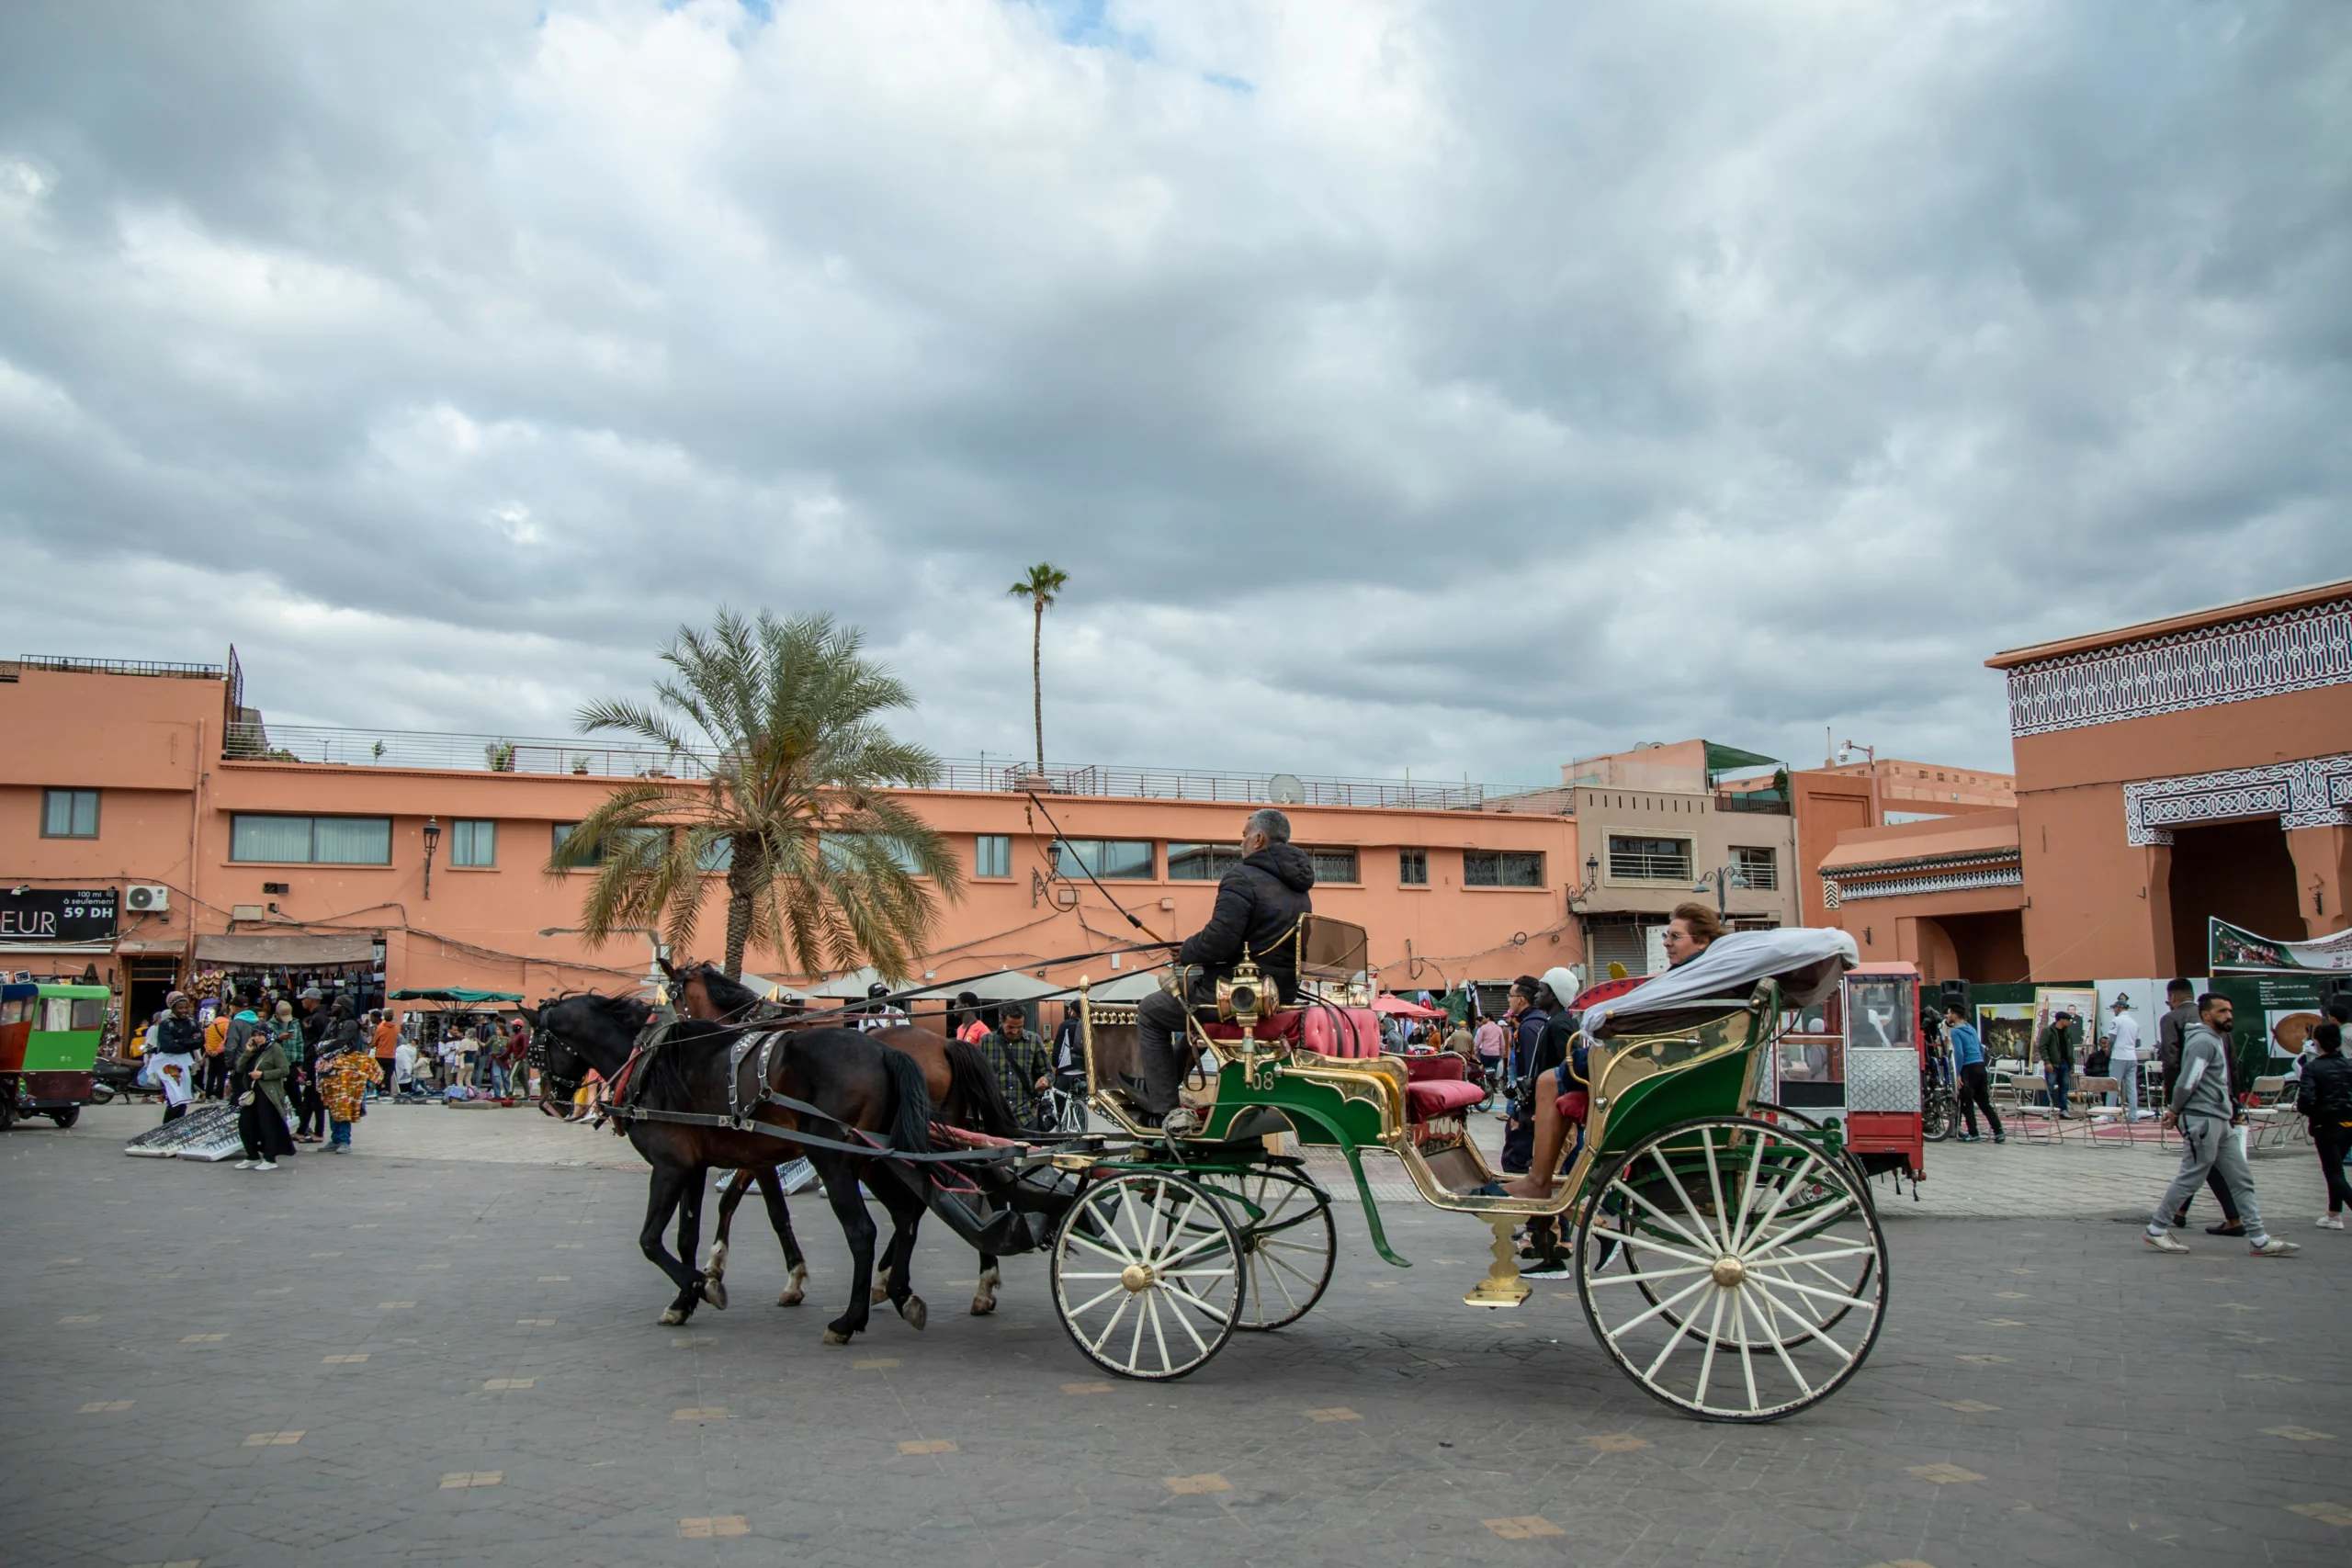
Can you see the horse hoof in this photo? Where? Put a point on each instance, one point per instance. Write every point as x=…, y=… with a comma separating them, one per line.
x=714, y=1291
x=835, y=1337
x=794, y=1291
x=791, y=1298
x=914, y=1312
x=983, y=1305
x=717, y=1258
x=671, y=1318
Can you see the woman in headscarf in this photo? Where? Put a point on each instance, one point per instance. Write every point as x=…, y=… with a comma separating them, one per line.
x=345, y=1074
x=176, y=1048
x=259, y=1078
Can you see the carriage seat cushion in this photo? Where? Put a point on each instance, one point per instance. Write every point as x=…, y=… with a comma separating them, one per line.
x=1438, y=1085
x=1429, y=1097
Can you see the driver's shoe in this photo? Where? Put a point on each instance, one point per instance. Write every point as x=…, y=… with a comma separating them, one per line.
x=1181, y=1123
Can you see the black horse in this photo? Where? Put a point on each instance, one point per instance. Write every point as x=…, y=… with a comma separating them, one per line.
x=956, y=1074
x=856, y=1083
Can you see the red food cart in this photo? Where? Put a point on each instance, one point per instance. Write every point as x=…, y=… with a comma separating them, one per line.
x=1857, y=1058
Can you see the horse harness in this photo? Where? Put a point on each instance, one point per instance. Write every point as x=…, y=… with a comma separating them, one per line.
x=742, y=1105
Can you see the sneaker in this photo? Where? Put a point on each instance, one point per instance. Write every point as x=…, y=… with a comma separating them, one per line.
x=266, y=1165
x=2330, y=1222
x=1181, y=1123
x=2000, y=1137
x=2273, y=1247
x=247, y=1163
x=2227, y=1227
x=2162, y=1242
x=1549, y=1268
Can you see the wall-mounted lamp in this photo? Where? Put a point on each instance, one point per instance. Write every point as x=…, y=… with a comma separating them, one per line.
x=431, y=842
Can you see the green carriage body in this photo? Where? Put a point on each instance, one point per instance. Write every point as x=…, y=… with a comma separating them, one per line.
x=49, y=1035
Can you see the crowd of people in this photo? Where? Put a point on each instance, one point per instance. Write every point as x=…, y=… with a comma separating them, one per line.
x=301, y=1068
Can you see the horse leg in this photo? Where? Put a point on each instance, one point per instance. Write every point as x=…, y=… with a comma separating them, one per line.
x=690, y=1230
x=664, y=1192
x=780, y=1216
x=984, y=1298
x=714, y=1284
x=858, y=1228
x=906, y=1215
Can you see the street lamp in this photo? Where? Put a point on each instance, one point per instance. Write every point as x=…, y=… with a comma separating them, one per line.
x=431, y=842
x=1723, y=876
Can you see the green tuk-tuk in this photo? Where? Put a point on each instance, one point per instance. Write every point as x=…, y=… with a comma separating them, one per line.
x=49, y=1044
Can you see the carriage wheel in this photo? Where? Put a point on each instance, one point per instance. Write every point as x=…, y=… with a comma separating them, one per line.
x=1144, y=1275
x=1740, y=1250
x=1287, y=1255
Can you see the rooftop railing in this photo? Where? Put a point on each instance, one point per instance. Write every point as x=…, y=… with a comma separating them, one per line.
x=437, y=750
x=65, y=664
x=1755, y=801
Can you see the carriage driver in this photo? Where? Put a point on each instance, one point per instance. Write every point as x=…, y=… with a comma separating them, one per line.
x=1259, y=904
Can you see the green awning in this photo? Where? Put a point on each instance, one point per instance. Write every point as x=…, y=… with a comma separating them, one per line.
x=1725, y=759
x=457, y=994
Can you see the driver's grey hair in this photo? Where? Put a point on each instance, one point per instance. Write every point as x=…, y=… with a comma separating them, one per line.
x=1271, y=822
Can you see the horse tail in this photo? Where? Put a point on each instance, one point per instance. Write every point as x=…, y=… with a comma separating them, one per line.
x=910, y=1103
x=975, y=1089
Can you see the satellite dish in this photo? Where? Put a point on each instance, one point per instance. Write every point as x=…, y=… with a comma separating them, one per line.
x=1283, y=789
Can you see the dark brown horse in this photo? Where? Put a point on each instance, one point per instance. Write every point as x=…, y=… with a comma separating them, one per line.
x=955, y=1076
x=851, y=1080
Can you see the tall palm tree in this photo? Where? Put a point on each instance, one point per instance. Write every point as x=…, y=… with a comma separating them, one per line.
x=819, y=861
x=1041, y=588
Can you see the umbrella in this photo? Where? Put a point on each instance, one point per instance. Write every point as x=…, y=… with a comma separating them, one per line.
x=853, y=984
x=1397, y=1007
x=1004, y=986
x=1127, y=987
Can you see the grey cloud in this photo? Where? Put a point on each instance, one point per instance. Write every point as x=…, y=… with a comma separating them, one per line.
x=1478, y=389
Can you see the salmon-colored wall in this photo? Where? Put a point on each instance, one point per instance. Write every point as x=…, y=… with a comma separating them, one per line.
x=1825, y=805
x=150, y=746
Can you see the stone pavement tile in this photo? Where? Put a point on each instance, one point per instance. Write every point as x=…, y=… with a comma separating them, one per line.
x=592, y=1456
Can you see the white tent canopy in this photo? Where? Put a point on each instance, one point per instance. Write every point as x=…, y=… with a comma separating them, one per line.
x=1003, y=986
x=1127, y=988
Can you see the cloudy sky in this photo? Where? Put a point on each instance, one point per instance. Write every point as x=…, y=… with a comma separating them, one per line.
x=1452, y=387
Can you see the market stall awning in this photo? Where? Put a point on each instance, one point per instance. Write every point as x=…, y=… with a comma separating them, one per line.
x=290, y=950
x=1128, y=988
x=456, y=994
x=1722, y=759
x=1004, y=986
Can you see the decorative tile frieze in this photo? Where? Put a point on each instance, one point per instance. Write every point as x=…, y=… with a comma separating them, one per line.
x=1842, y=889
x=2295, y=650
x=2313, y=792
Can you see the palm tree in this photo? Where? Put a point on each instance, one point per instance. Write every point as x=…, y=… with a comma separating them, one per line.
x=1041, y=588
x=819, y=860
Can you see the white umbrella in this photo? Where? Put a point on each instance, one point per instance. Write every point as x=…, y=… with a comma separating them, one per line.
x=1129, y=987
x=1004, y=986
x=853, y=984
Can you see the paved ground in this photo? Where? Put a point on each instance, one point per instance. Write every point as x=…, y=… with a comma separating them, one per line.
x=424, y=1358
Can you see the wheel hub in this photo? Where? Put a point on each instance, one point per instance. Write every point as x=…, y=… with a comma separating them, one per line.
x=1729, y=1271
x=1136, y=1277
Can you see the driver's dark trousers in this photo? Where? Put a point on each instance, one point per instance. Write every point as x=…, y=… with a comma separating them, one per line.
x=1159, y=1022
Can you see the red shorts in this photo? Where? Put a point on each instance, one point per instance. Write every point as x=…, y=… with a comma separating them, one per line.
x=1574, y=1105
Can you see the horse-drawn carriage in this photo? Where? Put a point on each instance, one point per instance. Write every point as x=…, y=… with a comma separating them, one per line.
x=1721, y=1246
x=1725, y=1250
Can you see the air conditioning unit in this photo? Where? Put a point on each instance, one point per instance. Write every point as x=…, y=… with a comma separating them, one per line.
x=147, y=899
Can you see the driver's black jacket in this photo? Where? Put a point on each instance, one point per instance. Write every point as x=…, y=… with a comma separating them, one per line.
x=1258, y=904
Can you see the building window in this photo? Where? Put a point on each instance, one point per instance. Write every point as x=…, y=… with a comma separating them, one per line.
x=1755, y=868
x=1111, y=859
x=1413, y=867
x=313, y=840
x=69, y=814
x=1334, y=867
x=1649, y=860
x=473, y=842
x=1502, y=868
x=993, y=854
x=718, y=855
x=1201, y=862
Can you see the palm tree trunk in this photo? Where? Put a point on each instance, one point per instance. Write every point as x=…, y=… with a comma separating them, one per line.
x=741, y=879
x=1037, y=681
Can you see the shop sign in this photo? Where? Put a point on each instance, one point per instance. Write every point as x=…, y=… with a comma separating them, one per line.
x=58, y=914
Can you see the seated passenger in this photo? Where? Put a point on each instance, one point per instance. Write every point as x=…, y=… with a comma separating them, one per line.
x=1690, y=933
x=1259, y=904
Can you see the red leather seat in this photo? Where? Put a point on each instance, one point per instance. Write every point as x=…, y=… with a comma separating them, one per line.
x=1438, y=1085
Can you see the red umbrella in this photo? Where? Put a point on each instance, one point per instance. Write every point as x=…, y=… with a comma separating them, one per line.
x=1397, y=1007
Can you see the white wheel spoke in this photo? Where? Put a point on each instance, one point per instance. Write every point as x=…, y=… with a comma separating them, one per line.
x=1739, y=1327
x=1663, y=1218
x=1772, y=1326
x=1820, y=1335
x=1747, y=1192
x=1716, y=1187
x=1681, y=1328
x=1682, y=1190
x=1683, y=1273
x=1186, y=1324
x=1782, y=1196
x=1707, y=1359
x=1094, y=1300
x=1817, y=1293
x=1656, y=1307
x=1760, y=1260
x=1110, y=1233
x=1216, y=1312
x=1808, y=1226
x=1108, y=1327
x=1135, y=1340
x=1644, y=1243
x=1151, y=1308
x=1276, y=1272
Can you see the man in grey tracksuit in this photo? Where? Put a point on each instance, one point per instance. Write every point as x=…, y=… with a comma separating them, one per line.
x=2203, y=1108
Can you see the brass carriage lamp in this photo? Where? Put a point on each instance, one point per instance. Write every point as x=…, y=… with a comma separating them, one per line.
x=431, y=842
